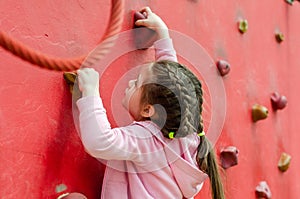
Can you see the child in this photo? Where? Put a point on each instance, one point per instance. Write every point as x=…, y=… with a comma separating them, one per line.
x=164, y=153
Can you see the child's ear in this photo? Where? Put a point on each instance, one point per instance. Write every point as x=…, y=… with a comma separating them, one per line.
x=147, y=110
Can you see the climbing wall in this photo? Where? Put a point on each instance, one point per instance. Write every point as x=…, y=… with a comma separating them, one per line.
x=40, y=152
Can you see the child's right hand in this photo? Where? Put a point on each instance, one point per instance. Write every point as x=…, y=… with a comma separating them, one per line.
x=153, y=22
x=88, y=82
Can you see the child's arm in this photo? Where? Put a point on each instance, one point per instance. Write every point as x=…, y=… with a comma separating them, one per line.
x=97, y=136
x=164, y=49
x=99, y=139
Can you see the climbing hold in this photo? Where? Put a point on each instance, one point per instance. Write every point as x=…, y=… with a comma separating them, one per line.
x=223, y=67
x=143, y=37
x=263, y=190
x=290, y=2
x=279, y=37
x=259, y=112
x=73, y=196
x=229, y=157
x=70, y=78
x=278, y=101
x=284, y=162
x=243, y=25
x=137, y=16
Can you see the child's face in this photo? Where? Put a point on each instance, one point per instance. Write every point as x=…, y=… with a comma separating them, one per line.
x=133, y=93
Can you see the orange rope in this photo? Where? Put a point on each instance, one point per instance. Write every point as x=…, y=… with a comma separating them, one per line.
x=52, y=63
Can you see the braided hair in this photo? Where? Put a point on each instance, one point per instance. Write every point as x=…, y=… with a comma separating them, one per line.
x=176, y=94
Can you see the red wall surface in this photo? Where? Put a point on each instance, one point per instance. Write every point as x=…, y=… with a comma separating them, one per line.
x=39, y=146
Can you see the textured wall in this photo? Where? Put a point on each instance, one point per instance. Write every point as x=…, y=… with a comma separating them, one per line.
x=39, y=147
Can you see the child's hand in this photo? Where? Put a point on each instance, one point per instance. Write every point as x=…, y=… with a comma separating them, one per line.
x=153, y=22
x=88, y=81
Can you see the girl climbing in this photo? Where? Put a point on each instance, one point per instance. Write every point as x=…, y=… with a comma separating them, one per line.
x=164, y=153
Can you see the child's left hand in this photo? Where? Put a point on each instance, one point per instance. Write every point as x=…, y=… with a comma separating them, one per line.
x=88, y=81
x=153, y=22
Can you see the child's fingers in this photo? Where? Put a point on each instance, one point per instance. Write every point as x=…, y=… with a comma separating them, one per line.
x=79, y=74
x=81, y=71
x=142, y=22
x=146, y=10
x=85, y=70
x=85, y=73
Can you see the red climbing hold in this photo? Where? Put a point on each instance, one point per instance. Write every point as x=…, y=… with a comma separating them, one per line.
x=263, y=190
x=143, y=37
x=223, y=67
x=278, y=101
x=229, y=157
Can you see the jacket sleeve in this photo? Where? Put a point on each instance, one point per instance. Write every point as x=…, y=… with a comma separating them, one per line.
x=97, y=136
x=164, y=50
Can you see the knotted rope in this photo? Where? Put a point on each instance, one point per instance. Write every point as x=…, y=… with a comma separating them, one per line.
x=59, y=64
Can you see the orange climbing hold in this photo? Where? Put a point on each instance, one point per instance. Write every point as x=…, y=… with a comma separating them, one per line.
x=259, y=112
x=243, y=26
x=284, y=162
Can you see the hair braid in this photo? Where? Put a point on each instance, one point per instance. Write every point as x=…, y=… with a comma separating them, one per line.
x=184, y=90
x=199, y=93
x=179, y=92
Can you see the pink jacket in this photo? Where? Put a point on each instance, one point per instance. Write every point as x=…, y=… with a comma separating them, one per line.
x=141, y=162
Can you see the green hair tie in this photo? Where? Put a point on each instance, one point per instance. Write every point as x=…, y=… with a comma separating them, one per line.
x=171, y=135
x=201, y=134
